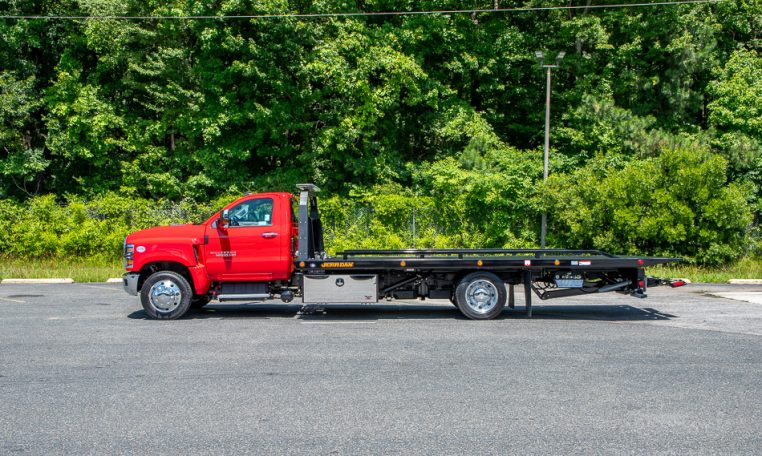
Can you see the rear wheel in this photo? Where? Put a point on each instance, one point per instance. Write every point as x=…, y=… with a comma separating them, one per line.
x=481, y=296
x=166, y=295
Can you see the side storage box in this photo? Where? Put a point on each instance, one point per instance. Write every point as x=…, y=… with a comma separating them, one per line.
x=327, y=289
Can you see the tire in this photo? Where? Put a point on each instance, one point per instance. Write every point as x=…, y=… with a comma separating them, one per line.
x=453, y=300
x=481, y=295
x=199, y=302
x=166, y=295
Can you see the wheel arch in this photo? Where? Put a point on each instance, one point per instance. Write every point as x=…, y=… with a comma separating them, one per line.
x=156, y=266
x=506, y=276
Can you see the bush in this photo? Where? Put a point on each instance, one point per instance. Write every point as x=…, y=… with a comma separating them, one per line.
x=676, y=204
x=486, y=199
x=380, y=217
x=43, y=227
x=482, y=199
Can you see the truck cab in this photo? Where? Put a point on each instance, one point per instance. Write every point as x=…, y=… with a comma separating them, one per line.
x=242, y=251
x=250, y=240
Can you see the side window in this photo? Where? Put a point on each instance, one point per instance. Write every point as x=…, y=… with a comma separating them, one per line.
x=256, y=212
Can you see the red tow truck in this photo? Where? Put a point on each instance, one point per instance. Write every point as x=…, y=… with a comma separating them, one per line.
x=270, y=245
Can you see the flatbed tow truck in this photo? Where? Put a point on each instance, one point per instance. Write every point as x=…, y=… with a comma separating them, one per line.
x=270, y=245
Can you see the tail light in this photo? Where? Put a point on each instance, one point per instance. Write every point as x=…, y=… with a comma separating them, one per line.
x=677, y=283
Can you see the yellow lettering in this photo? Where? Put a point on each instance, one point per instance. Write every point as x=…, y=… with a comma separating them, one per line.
x=338, y=265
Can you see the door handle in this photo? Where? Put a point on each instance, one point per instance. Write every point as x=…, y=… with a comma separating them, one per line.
x=269, y=235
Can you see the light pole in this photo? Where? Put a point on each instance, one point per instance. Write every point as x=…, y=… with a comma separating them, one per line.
x=541, y=60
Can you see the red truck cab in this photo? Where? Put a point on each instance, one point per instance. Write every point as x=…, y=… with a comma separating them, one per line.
x=255, y=245
x=249, y=241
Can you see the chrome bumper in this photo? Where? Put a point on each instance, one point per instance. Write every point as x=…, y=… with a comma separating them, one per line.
x=131, y=283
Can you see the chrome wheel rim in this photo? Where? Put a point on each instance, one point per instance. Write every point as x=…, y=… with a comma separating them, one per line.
x=481, y=296
x=165, y=295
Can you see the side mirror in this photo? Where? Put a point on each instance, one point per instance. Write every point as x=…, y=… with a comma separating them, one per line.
x=224, y=220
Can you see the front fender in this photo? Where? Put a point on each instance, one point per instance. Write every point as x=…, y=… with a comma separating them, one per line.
x=178, y=253
x=146, y=253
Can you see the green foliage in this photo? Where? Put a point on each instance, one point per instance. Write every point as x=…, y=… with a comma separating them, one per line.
x=481, y=199
x=23, y=161
x=88, y=269
x=380, y=218
x=737, y=94
x=170, y=108
x=29, y=52
x=43, y=227
x=675, y=204
x=486, y=200
x=600, y=126
x=736, y=117
x=434, y=115
x=746, y=268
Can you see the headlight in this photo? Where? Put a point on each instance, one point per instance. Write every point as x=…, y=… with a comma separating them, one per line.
x=129, y=254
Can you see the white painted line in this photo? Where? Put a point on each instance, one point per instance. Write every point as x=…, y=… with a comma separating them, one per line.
x=35, y=281
x=11, y=300
x=338, y=322
x=752, y=296
x=100, y=287
x=745, y=281
x=115, y=280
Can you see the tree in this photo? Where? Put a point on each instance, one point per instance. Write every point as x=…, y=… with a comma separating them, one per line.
x=29, y=51
x=676, y=204
x=737, y=95
x=22, y=159
x=736, y=115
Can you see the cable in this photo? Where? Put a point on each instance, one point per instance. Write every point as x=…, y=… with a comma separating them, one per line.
x=362, y=14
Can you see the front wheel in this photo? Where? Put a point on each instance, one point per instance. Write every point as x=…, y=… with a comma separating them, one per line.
x=481, y=296
x=166, y=295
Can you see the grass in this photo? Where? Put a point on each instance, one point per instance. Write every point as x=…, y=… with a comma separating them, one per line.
x=746, y=268
x=96, y=269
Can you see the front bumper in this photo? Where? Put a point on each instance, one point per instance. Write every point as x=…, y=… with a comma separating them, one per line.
x=131, y=283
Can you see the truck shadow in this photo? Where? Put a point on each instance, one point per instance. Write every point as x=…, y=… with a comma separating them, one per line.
x=360, y=313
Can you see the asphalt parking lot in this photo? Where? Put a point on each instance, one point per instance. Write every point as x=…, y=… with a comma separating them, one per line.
x=82, y=371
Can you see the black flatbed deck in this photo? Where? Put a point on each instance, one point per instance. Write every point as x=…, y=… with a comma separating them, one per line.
x=487, y=259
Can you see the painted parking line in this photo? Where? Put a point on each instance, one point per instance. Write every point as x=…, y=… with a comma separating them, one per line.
x=35, y=281
x=12, y=300
x=750, y=296
x=338, y=322
x=102, y=287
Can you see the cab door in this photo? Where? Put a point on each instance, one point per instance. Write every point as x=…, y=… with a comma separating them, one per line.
x=250, y=248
